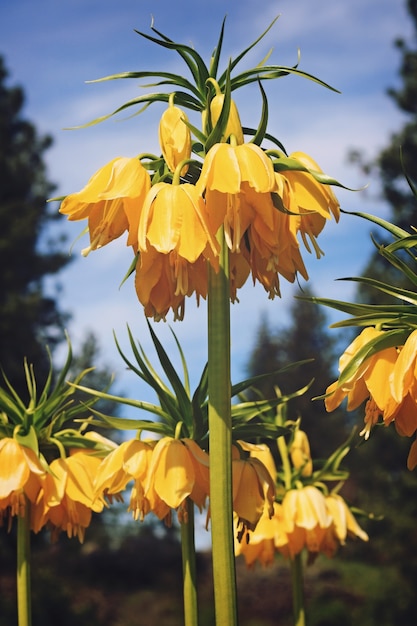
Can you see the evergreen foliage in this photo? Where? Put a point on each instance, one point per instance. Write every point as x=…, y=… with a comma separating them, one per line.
x=29, y=318
x=389, y=166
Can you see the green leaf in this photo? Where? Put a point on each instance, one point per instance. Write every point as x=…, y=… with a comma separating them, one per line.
x=145, y=100
x=121, y=423
x=263, y=123
x=237, y=388
x=215, y=58
x=396, y=292
x=137, y=404
x=169, y=79
x=256, y=431
x=237, y=60
x=192, y=59
x=394, y=230
x=184, y=400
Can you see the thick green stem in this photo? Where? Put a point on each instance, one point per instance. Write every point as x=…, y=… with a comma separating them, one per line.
x=189, y=575
x=24, y=607
x=298, y=590
x=220, y=433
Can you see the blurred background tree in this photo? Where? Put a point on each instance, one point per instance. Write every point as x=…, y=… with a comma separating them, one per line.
x=389, y=165
x=305, y=337
x=29, y=317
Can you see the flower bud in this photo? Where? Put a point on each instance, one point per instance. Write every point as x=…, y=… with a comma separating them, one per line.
x=300, y=453
x=233, y=126
x=175, y=138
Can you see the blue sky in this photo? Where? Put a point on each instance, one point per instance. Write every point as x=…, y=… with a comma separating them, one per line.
x=51, y=48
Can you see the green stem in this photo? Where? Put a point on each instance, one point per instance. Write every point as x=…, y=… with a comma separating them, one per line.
x=298, y=590
x=23, y=568
x=189, y=576
x=283, y=451
x=220, y=443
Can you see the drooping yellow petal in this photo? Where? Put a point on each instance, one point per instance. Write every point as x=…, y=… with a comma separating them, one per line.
x=17, y=462
x=111, y=200
x=403, y=373
x=255, y=167
x=171, y=471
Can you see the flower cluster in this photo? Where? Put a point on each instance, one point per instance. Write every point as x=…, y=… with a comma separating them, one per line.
x=304, y=515
x=378, y=368
x=165, y=473
x=173, y=206
x=47, y=467
x=60, y=494
x=385, y=381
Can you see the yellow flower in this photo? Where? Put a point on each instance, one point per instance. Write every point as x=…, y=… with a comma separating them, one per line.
x=368, y=379
x=174, y=218
x=253, y=490
x=129, y=460
x=175, y=137
x=313, y=201
x=237, y=181
x=178, y=469
x=20, y=476
x=111, y=200
x=67, y=498
x=311, y=195
x=226, y=167
x=262, y=543
x=261, y=452
x=164, y=280
x=306, y=519
x=344, y=522
x=385, y=380
x=403, y=379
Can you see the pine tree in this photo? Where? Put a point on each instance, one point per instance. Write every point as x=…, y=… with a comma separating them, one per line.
x=29, y=318
x=390, y=165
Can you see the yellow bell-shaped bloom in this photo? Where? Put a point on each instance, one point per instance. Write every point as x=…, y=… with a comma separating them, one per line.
x=262, y=543
x=404, y=375
x=306, y=519
x=344, y=522
x=17, y=463
x=226, y=167
x=178, y=469
x=67, y=498
x=311, y=195
x=311, y=202
x=236, y=181
x=174, y=218
x=175, y=138
x=111, y=201
x=163, y=281
x=21, y=474
x=374, y=382
x=253, y=491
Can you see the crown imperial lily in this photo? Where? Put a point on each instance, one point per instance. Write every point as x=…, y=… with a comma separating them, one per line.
x=111, y=201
